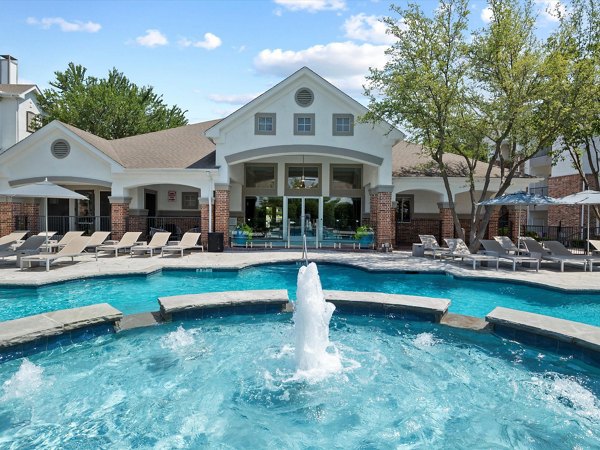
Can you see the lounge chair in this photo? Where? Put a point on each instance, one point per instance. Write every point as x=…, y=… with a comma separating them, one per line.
x=74, y=248
x=430, y=245
x=189, y=241
x=13, y=237
x=458, y=249
x=508, y=245
x=49, y=233
x=127, y=241
x=557, y=249
x=96, y=239
x=158, y=241
x=493, y=247
x=68, y=237
x=534, y=246
x=29, y=247
x=596, y=244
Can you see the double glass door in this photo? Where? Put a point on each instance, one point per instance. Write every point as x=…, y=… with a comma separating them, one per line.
x=303, y=218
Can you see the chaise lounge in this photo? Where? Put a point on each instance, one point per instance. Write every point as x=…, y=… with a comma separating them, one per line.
x=189, y=241
x=534, y=246
x=29, y=247
x=68, y=237
x=13, y=237
x=158, y=241
x=127, y=241
x=430, y=244
x=458, y=249
x=494, y=248
x=74, y=248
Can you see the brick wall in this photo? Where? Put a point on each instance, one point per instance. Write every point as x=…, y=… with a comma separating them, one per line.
x=567, y=216
x=221, y=224
x=8, y=213
x=513, y=218
x=135, y=223
x=447, y=223
x=119, y=213
x=204, y=224
x=32, y=211
x=493, y=223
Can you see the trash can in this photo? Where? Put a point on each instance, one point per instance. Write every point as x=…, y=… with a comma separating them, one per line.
x=215, y=242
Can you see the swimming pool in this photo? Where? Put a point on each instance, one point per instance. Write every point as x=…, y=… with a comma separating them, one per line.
x=229, y=383
x=133, y=294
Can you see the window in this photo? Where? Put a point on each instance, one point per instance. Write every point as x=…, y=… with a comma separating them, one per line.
x=189, y=200
x=343, y=125
x=346, y=177
x=264, y=123
x=32, y=122
x=303, y=180
x=260, y=176
x=304, y=124
x=404, y=211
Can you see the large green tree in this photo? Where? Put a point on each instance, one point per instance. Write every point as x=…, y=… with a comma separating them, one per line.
x=111, y=107
x=491, y=98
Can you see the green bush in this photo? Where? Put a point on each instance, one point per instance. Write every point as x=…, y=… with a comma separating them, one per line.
x=363, y=231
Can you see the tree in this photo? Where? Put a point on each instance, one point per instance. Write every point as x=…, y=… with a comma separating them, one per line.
x=111, y=107
x=473, y=99
x=577, y=42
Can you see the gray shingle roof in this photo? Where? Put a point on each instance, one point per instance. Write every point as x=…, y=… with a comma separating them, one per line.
x=409, y=160
x=16, y=89
x=176, y=148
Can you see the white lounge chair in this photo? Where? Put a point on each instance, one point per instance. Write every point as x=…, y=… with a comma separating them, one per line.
x=68, y=237
x=158, y=241
x=458, y=249
x=430, y=245
x=189, y=241
x=29, y=247
x=127, y=241
x=493, y=247
x=96, y=239
x=74, y=248
x=508, y=245
x=13, y=237
x=535, y=247
x=44, y=233
x=557, y=249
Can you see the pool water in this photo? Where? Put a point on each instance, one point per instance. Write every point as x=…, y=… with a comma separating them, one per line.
x=229, y=383
x=134, y=294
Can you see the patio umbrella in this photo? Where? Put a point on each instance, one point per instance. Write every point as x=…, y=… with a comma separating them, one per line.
x=520, y=199
x=43, y=189
x=583, y=198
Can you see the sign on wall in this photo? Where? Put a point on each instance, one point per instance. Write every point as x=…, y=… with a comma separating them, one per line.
x=172, y=196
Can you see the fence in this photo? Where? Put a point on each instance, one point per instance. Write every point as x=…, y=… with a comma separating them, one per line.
x=177, y=226
x=572, y=237
x=63, y=224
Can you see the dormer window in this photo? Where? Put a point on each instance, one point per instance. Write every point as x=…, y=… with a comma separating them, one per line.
x=264, y=123
x=304, y=124
x=343, y=125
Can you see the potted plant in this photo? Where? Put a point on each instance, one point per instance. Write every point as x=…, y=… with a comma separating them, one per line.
x=364, y=235
x=242, y=234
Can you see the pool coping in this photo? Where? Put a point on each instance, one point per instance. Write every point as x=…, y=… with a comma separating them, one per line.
x=420, y=266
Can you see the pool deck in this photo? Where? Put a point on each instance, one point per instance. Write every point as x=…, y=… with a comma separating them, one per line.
x=573, y=279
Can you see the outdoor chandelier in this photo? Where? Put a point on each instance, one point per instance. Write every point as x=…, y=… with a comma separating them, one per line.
x=302, y=180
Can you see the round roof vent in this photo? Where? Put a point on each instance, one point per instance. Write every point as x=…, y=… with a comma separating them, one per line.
x=60, y=149
x=304, y=97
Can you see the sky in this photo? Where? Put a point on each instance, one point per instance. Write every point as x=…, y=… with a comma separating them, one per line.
x=209, y=57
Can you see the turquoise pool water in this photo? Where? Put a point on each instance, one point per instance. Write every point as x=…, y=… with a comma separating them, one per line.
x=229, y=383
x=139, y=293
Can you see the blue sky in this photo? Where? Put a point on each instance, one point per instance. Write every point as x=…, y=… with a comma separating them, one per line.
x=208, y=57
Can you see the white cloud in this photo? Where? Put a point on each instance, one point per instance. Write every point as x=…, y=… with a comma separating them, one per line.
x=64, y=25
x=210, y=42
x=487, y=14
x=312, y=6
x=367, y=28
x=232, y=99
x=551, y=10
x=344, y=64
x=152, y=38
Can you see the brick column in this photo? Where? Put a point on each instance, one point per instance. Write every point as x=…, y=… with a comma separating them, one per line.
x=204, y=222
x=119, y=212
x=447, y=221
x=382, y=215
x=493, y=223
x=513, y=217
x=32, y=211
x=394, y=220
x=221, y=224
x=8, y=211
x=567, y=215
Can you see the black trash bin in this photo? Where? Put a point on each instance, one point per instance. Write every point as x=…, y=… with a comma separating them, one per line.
x=215, y=242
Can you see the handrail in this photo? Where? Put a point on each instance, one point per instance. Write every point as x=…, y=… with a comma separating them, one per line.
x=304, y=250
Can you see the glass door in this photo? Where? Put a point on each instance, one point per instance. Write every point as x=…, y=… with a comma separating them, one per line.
x=303, y=218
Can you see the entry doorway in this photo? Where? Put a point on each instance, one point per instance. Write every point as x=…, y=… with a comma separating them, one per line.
x=303, y=217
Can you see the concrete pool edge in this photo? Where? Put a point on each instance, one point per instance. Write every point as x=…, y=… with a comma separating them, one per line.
x=399, y=262
x=32, y=334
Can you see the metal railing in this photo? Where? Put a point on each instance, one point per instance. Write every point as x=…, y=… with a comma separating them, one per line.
x=63, y=224
x=573, y=238
x=177, y=226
